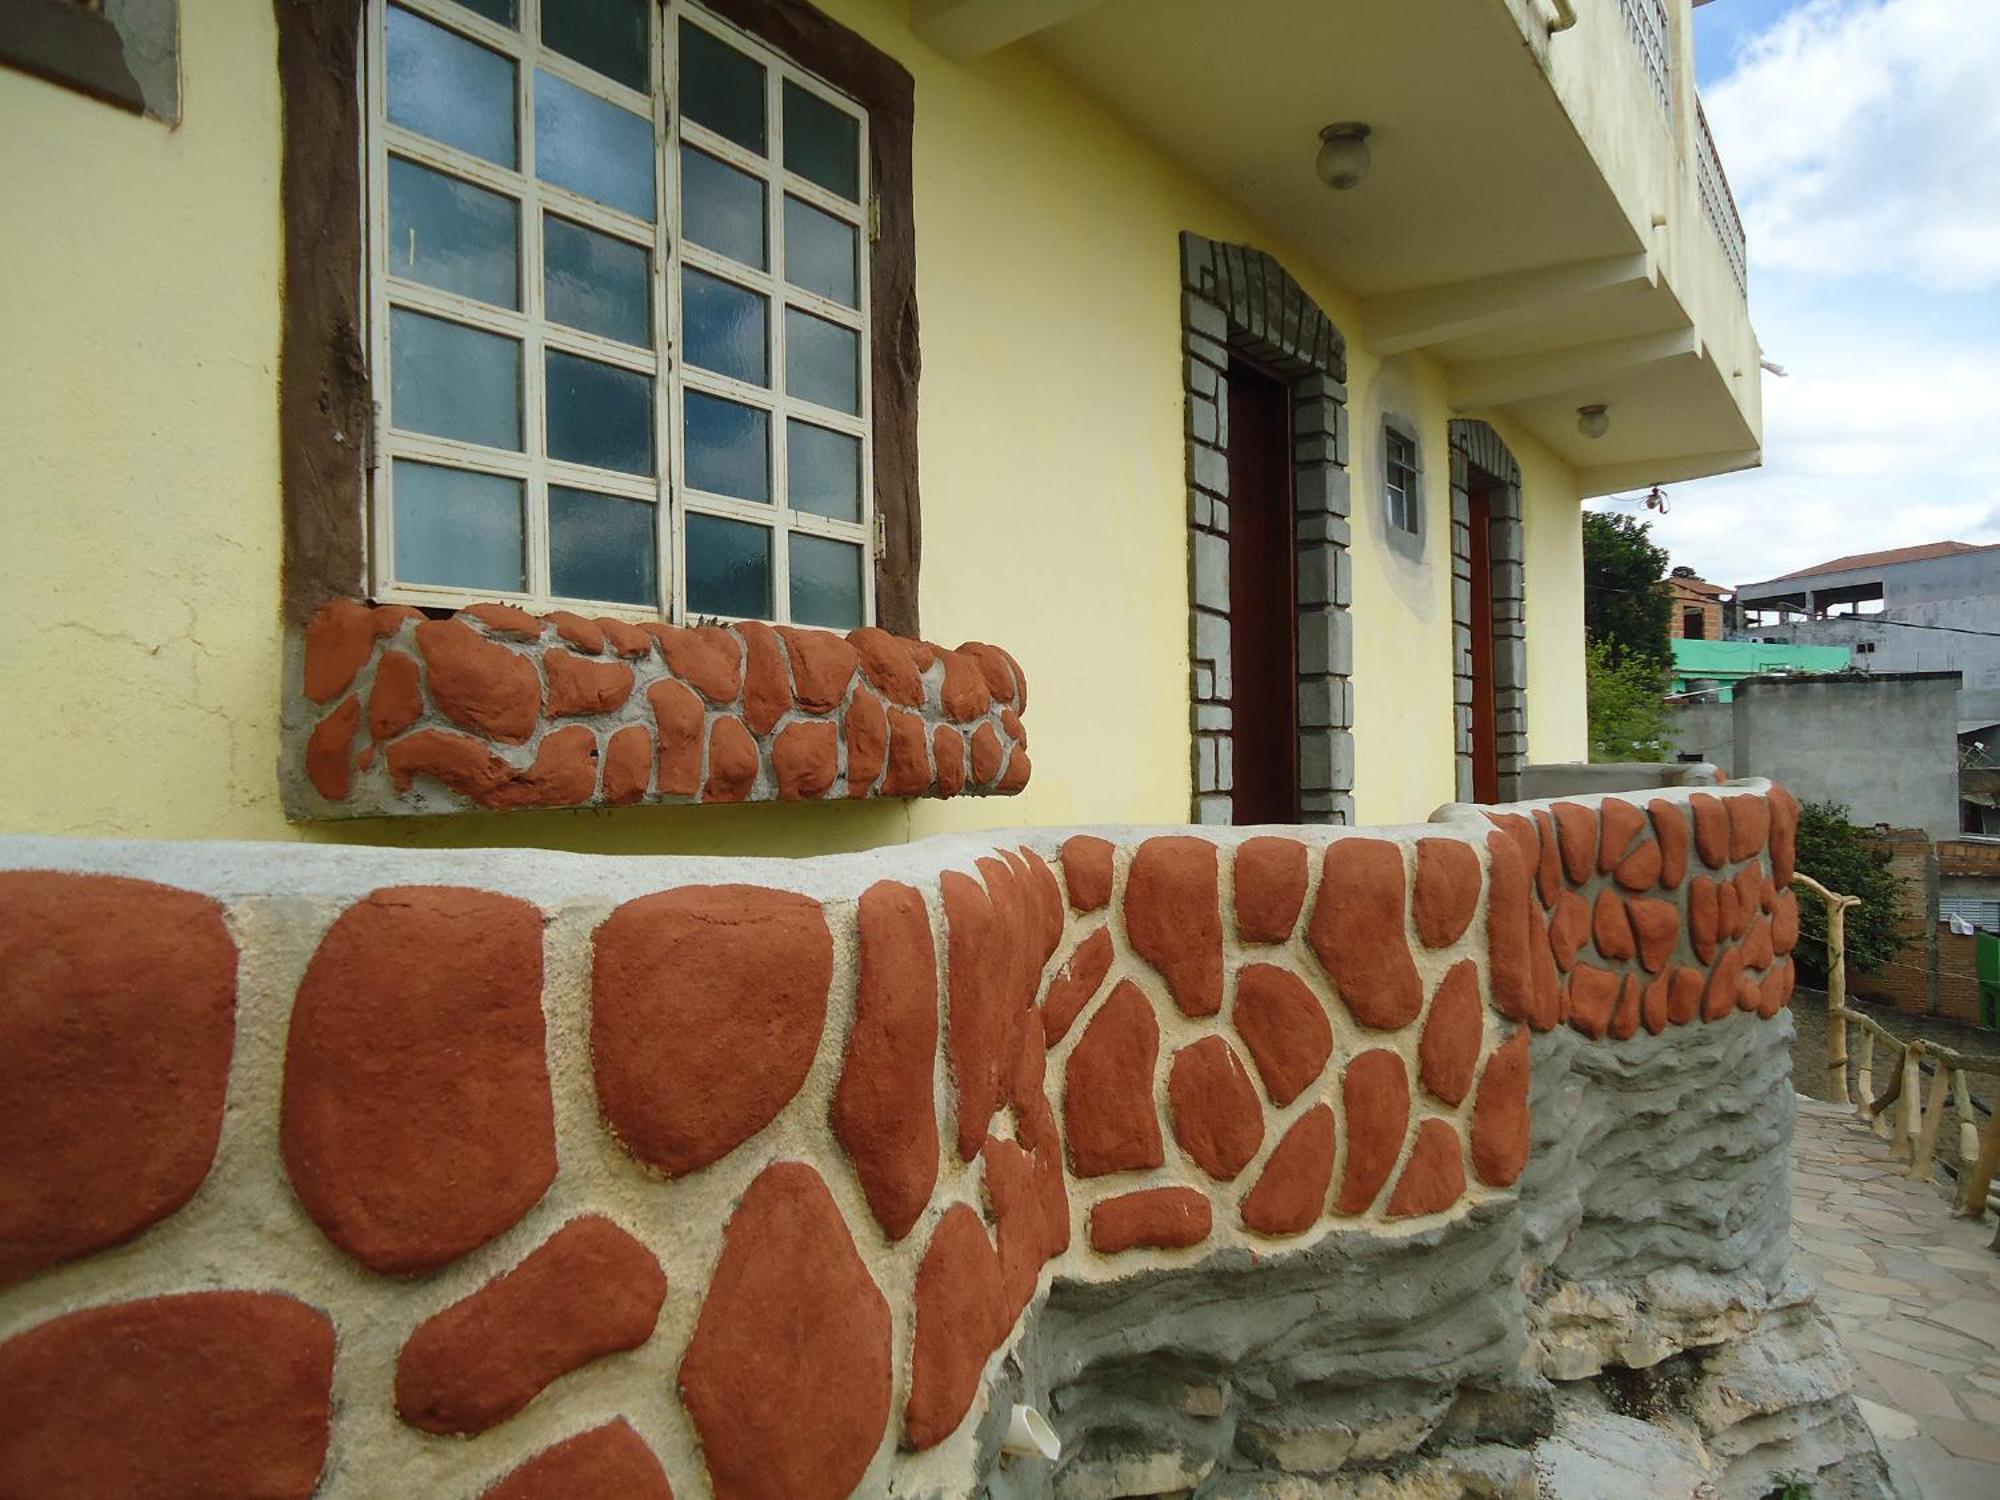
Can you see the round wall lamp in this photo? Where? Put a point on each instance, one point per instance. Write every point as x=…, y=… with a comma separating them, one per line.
x=1593, y=421
x=1343, y=154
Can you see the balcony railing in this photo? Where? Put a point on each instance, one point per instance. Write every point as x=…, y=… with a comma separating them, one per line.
x=1717, y=199
x=1647, y=21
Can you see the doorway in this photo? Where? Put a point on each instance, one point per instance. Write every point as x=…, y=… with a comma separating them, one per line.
x=1263, y=637
x=1485, y=724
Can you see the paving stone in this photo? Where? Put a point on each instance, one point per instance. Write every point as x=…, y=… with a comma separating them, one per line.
x=1887, y=1423
x=1966, y=1439
x=1918, y=1392
x=1858, y=1281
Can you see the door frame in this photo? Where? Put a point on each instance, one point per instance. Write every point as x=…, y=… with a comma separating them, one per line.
x=1477, y=453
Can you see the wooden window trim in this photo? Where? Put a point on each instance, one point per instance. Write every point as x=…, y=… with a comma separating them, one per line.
x=326, y=398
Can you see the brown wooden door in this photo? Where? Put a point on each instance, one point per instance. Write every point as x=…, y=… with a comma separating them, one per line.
x=1485, y=731
x=1263, y=635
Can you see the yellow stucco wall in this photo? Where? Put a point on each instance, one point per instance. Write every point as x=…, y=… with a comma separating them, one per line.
x=139, y=476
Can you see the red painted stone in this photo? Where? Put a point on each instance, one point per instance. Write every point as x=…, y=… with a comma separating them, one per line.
x=678, y=714
x=805, y=758
x=1217, y=1118
x=1684, y=994
x=1108, y=1110
x=628, y=765
x=1758, y=949
x=1785, y=922
x=505, y=619
x=1500, y=1115
x=948, y=748
x=339, y=640
x=460, y=764
x=1657, y=926
x=1045, y=903
x=1357, y=930
x=909, y=756
x=1711, y=829
x=1511, y=930
x=1704, y=918
x=564, y=773
x=117, y=1019
x=788, y=1376
x=478, y=683
x=1521, y=830
x=1448, y=1056
x=417, y=1122
x=1012, y=727
x=1548, y=1011
x=1290, y=1194
x=396, y=701
x=1619, y=824
x=732, y=762
x=1749, y=883
x=330, y=751
x=1166, y=1218
x=1576, y=835
x=1775, y=991
x=1434, y=1177
x=886, y=662
x=987, y=754
x=1447, y=892
x=1285, y=1027
x=1019, y=769
x=823, y=664
x=767, y=686
x=1086, y=863
x=1728, y=909
x=611, y=1462
x=1653, y=1008
x=1640, y=870
x=1075, y=984
x=1749, y=825
x=1270, y=878
x=1375, y=1092
x=1670, y=829
x=201, y=1394
x=1625, y=1016
x=1719, y=999
x=997, y=668
x=961, y=1318
x=1767, y=897
x=708, y=658
x=587, y=1291
x=1610, y=929
x=984, y=941
x=580, y=687
x=963, y=694
x=1569, y=927
x=1173, y=918
x=1784, y=834
x=1014, y=1206
x=882, y=1107
x=867, y=730
x=624, y=637
x=1593, y=998
x=1548, y=870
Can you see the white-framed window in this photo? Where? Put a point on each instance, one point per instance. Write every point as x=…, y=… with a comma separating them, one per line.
x=1399, y=480
x=618, y=271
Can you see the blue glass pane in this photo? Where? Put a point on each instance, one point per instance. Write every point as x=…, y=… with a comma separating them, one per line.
x=608, y=35
x=592, y=147
x=453, y=382
x=501, y=11
x=822, y=471
x=822, y=362
x=599, y=414
x=601, y=547
x=822, y=144
x=457, y=528
x=728, y=568
x=453, y=236
x=826, y=582
x=722, y=208
x=450, y=89
x=724, y=328
x=726, y=447
x=597, y=283
x=819, y=253
x=722, y=89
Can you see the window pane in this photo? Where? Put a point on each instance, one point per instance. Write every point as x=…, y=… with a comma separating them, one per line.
x=599, y=415
x=721, y=88
x=601, y=547
x=724, y=328
x=453, y=382
x=494, y=10
x=449, y=89
x=728, y=568
x=591, y=146
x=822, y=471
x=819, y=253
x=458, y=528
x=826, y=582
x=594, y=282
x=726, y=447
x=608, y=35
x=722, y=208
x=822, y=144
x=452, y=235
x=822, y=362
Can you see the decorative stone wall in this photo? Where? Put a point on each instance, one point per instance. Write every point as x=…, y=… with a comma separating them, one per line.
x=390, y=712
x=348, y=1171
x=1475, y=445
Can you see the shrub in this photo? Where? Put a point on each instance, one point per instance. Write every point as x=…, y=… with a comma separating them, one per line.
x=1852, y=861
x=1626, y=703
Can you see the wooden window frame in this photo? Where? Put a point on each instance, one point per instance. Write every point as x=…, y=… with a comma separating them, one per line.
x=328, y=397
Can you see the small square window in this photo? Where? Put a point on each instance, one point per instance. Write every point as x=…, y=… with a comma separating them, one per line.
x=1399, y=480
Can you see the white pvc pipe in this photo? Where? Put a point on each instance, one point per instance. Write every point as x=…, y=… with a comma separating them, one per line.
x=1029, y=1434
x=1565, y=16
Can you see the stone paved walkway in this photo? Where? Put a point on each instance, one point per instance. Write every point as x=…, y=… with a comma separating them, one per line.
x=1915, y=1295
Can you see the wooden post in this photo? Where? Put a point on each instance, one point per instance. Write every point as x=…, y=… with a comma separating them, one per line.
x=1836, y=987
x=1968, y=1131
x=1910, y=1103
x=1974, y=1185
x=1864, y=1080
x=1920, y=1165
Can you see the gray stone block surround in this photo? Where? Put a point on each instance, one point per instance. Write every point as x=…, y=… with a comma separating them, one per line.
x=1476, y=446
x=1235, y=298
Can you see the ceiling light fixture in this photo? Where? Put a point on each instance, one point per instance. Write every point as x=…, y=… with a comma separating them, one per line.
x=1593, y=421
x=1343, y=154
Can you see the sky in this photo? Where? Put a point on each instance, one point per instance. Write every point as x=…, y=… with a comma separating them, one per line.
x=1862, y=138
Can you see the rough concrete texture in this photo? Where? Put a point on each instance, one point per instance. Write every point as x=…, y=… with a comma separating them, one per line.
x=821, y=1337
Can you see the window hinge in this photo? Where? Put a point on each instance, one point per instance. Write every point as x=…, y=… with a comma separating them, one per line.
x=881, y=536
x=874, y=217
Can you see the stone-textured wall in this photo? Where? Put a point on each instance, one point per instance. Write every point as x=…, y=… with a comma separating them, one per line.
x=512, y=1174
x=388, y=712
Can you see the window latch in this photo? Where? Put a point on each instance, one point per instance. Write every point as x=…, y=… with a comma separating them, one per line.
x=881, y=537
x=874, y=217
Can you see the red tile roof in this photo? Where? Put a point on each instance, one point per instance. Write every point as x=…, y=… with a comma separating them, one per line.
x=1857, y=561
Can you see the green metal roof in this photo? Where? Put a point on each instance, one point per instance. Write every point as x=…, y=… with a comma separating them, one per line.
x=1729, y=662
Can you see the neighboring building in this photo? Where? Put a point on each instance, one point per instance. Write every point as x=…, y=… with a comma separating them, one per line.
x=1711, y=668
x=1951, y=906
x=1700, y=610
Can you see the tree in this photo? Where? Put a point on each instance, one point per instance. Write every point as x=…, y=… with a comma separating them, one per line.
x=1624, y=605
x=1627, y=707
x=1853, y=862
